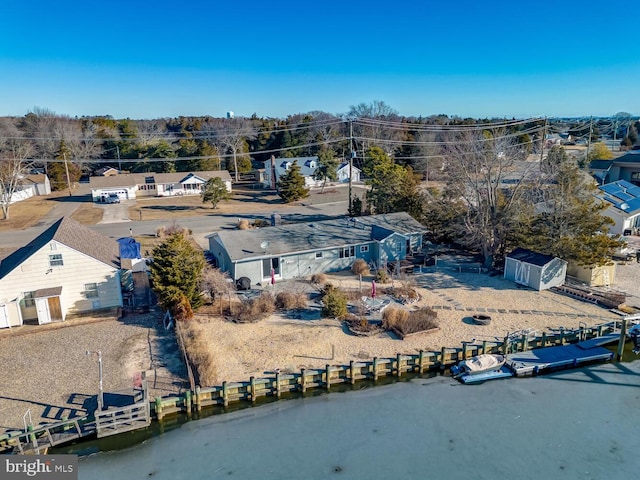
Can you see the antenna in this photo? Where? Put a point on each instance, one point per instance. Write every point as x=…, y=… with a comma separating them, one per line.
x=264, y=245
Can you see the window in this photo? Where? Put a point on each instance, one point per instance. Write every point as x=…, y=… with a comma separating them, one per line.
x=91, y=290
x=55, y=260
x=29, y=301
x=318, y=254
x=364, y=248
x=347, y=252
x=635, y=176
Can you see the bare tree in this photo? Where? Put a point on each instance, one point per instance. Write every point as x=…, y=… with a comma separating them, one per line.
x=485, y=172
x=215, y=282
x=14, y=162
x=40, y=125
x=233, y=135
x=377, y=124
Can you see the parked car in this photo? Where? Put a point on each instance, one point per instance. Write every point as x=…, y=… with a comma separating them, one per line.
x=113, y=198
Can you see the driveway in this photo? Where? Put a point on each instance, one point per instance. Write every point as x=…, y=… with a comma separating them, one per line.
x=116, y=212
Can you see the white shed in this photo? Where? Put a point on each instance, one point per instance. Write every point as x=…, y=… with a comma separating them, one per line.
x=534, y=270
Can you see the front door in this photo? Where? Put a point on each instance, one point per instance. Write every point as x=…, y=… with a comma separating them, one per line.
x=42, y=306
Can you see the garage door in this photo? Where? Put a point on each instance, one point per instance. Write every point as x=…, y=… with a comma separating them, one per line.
x=4, y=317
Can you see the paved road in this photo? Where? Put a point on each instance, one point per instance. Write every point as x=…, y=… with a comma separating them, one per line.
x=199, y=225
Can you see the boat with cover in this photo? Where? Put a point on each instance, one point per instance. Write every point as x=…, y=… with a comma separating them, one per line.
x=487, y=362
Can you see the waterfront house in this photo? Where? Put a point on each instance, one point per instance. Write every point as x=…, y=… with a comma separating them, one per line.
x=301, y=249
x=623, y=206
x=67, y=269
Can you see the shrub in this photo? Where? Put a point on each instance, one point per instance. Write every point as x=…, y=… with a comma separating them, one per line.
x=290, y=301
x=243, y=224
x=160, y=232
x=255, y=309
x=334, y=302
x=260, y=222
x=360, y=267
x=382, y=276
x=407, y=322
x=319, y=278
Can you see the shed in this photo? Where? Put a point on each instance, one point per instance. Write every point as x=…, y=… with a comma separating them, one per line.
x=534, y=270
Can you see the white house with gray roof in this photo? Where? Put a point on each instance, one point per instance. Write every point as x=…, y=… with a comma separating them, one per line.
x=274, y=168
x=131, y=185
x=67, y=269
x=301, y=249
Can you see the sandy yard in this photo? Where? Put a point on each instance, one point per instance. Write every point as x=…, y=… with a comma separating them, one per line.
x=288, y=344
x=46, y=371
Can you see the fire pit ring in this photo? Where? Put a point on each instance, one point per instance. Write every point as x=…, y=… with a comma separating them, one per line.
x=481, y=319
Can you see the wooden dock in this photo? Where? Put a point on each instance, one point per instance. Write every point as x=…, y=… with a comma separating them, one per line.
x=541, y=360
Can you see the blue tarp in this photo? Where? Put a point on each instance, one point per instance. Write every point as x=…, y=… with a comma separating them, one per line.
x=129, y=248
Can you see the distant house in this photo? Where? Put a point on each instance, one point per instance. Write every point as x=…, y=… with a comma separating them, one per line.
x=31, y=186
x=534, y=270
x=274, y=168
x=106, y=172
x=343, y=173
x=132, y=185
x=67, y=269
x=302, y=249
x=623, y=206
x=626, y=167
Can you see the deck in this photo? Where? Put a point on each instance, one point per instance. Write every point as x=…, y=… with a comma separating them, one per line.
x=541, y=360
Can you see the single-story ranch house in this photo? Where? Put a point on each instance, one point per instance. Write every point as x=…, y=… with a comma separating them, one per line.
x=67, y=269
x=131, y=185
x=301, y=249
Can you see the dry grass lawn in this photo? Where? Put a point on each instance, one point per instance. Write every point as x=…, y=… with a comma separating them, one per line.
x=88, y=214
x=26, y=213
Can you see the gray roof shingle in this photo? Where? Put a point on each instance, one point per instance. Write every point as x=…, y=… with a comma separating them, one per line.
x=301, y=237
x=72, y=234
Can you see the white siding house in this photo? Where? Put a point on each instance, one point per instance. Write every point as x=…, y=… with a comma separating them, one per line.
x=131, y=185
x=68, y=269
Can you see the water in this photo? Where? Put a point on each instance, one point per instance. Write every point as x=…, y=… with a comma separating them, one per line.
x=576, y=424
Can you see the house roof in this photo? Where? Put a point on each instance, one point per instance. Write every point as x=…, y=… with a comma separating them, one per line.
x=305, y=164
x=73, y=235
x=529, y=256
x=36, y=178
x=623, y=195
x=600, y=164
x=133, y=179
x=346, y=164
x=300, y=237
x=632, y=156
x=103, y=170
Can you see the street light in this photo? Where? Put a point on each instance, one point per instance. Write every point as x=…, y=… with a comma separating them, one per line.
x=101, y=392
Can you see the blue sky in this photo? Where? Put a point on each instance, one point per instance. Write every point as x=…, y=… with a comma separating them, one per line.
x=162, y=59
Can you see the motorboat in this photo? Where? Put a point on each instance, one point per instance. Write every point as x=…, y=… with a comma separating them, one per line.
x=487, y=362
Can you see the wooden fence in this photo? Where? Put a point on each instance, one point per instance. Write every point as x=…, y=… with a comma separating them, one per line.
x=324, y=378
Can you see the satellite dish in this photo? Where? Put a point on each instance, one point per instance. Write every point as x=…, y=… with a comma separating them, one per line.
x=264, y=245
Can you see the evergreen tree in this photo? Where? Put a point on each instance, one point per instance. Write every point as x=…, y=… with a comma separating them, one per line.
x=214, y=191
x=176, y=273
x=570, y=224
x=291, y=185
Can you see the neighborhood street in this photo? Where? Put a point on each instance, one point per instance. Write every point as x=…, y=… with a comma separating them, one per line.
x=199, y=225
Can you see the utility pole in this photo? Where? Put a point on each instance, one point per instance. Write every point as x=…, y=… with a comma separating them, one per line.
x=66, y=168
x=352, y=154
x=544, y=136
x=589, y=142
x=119, y=162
